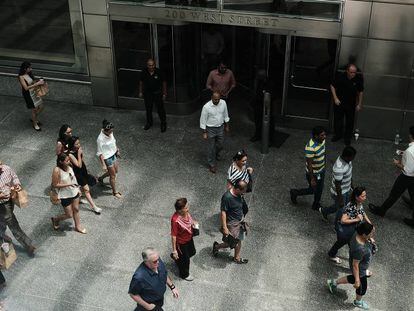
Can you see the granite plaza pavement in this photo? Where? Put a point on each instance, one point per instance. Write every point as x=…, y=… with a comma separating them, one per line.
x=287, y=246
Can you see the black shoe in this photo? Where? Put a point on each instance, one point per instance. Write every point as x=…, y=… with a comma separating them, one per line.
x=336, y=138
x=147, y=126
x=324, y=216
x=294, y=196
x=254, y=138
x=316, y=207
x=163, y=128
x=375, y=210
x=409, y=222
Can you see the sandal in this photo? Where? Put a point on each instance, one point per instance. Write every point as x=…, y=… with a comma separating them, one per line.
x=54, y=223
x=240, y=260
x=117, y=194
x=83, y=231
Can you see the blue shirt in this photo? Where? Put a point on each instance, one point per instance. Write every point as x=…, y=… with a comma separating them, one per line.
x=148, y=284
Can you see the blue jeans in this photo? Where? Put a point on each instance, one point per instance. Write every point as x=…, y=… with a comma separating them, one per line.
x=335, y=207
x=317, y=191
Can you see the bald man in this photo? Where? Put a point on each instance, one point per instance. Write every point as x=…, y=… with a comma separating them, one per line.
x=153, y=87
x=214, y=121
x=347, y=91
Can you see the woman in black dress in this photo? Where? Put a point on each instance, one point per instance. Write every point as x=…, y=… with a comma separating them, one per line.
x=81, y=172
x=65, y=134
x=28, y=84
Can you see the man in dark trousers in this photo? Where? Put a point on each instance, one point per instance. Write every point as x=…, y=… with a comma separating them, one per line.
x=405, y=181
x=154, y=89
x=347, y=91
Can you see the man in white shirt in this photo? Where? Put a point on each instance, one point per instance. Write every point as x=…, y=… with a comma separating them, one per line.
x=403, y=182
x=214, y=121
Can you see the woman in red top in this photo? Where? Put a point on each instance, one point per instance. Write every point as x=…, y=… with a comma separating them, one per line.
x=182, y=238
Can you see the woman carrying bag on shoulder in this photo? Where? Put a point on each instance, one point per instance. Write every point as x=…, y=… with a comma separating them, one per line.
x=64, y=180
x=28, y=85
x=183, y=228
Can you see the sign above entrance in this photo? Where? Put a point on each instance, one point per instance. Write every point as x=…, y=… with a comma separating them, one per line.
x=298, y=25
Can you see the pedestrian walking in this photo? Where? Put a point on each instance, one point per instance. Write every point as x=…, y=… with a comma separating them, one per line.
x=221, y=80
x=65, y=133
x=10, y=182
x=81, y=172
x=183, y=228
x=347, y=218
x=28, y=85
x=153, y=87
x=341, y=181
x=108, y=154
x=315, y=168
x=214, y=120
x=233, y=210
x=360, y=254
x=403, y=182
x=148, y=284
x=64, y=180
x=239, y=170
x=347, y=91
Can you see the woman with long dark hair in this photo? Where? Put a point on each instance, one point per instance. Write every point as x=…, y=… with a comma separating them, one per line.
x=65, y=133
x=239, y=170
x=347, y=219
x=79, y=167
x=64, y=180
x=108, y=154
x=28, y=85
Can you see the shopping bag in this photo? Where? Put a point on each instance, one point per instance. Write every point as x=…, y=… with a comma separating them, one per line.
x=54, y=197
x=9, y=257
x=20, y=198
x=42, y=90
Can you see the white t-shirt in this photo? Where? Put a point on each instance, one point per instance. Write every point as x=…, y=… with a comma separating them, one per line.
x=106, y=145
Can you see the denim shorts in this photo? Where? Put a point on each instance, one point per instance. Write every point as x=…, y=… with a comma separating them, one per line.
x=110, y=161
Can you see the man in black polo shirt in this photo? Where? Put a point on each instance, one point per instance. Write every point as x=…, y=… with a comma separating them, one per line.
x=347, y=91
x=154, y=89
x=149, y=282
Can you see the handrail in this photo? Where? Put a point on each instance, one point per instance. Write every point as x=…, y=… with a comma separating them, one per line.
x=7, y=74
x=308, y=87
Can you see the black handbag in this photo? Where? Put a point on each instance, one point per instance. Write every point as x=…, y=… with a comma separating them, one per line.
x=230, y=240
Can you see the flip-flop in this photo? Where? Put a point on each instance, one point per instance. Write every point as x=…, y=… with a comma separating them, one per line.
x=83, y=231
x=117, y=194
x=240, y=260
x=55, y=226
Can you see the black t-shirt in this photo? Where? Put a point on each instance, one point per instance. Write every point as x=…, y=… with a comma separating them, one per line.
x=347, y=89
x=152, y=83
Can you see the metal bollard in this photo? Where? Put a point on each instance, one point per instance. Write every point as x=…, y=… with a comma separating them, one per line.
x=266, y=122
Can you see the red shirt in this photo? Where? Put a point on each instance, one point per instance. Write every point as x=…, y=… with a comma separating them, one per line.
x=182, y=228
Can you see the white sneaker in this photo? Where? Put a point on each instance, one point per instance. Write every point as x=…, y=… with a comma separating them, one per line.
x=83, y=201
x=189, y=278
x=97, y=210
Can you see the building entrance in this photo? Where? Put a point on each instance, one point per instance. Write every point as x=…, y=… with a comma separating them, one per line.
x=298, y=69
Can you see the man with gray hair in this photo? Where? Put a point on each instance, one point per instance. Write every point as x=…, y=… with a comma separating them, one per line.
x=149, y=282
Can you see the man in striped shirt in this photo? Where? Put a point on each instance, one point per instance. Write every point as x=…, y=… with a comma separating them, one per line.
x=8, y=182
x=341, y=181
x=315, y=168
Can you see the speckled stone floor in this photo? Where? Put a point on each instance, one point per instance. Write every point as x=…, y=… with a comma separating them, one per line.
x=287, y=246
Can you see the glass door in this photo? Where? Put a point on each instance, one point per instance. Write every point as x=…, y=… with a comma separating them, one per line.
x=310, y=72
